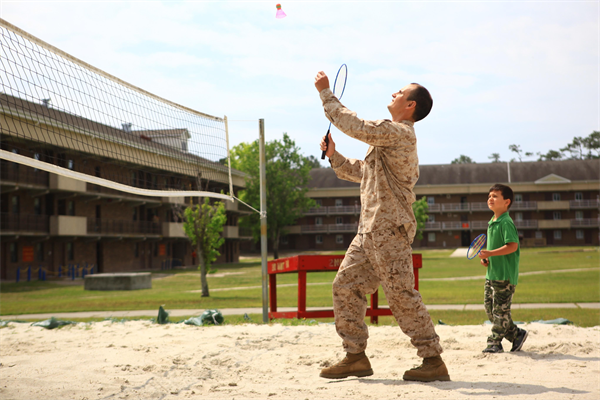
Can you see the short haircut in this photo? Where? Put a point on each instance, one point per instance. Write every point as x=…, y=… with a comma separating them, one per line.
x=423, y=99
x=507, y=192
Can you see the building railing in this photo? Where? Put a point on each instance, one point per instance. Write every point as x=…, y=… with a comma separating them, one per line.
x=335, y=210
x=526, y=223
x=24, y=223
x=11, y=172
x=579, y=204
x=524, y=205
x=112, y=226
x=329, y=228
x=585, y=222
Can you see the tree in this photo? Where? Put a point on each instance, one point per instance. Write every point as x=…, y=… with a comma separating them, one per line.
x=495, y=157
x=584, y=148
x=592, y=145
x=203, y=225
x=288, y=174
x=420, y=208
x=551, y=155
x=314, y=162
x=463, y=160
x=576, y=148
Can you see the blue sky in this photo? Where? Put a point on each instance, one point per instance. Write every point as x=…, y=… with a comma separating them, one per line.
x=500, y=73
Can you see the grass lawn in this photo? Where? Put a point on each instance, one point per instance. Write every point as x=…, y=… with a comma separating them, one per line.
x=179, y=289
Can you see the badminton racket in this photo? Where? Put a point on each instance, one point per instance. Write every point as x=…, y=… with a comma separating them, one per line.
x=476, y=246
x=338, y=90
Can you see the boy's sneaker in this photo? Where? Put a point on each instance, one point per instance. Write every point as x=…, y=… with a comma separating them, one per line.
x=519, y=340
x=494, y=348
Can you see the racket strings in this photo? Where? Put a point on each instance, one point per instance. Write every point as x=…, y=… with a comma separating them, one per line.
x=476, y=247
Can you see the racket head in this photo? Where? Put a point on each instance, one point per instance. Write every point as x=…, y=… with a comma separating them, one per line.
x=476, y=246
x=339, y=85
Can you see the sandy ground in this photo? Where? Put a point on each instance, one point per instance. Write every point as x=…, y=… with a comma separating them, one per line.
x=141, y=360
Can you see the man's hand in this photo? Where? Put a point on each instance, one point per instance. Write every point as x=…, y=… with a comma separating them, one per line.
x=330, y=148
x=321, y=81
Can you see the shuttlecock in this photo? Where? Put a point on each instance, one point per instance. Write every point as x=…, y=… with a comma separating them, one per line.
x=280, y=13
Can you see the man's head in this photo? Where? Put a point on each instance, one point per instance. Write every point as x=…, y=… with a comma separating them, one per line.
x=413, y=102
x=500, y=198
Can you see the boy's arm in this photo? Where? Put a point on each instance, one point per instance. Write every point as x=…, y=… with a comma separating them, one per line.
x=508, y=248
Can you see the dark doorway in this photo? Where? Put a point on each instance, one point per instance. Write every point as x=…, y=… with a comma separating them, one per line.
x=179, y=250
x=465, y=239
x=100, y=256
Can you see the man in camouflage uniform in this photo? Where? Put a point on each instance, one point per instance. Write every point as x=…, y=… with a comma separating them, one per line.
x=381, y=252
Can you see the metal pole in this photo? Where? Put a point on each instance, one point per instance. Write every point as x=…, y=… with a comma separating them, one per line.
x=263, y=220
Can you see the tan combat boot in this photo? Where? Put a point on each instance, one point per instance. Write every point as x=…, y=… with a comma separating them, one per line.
x=432, y=369
x=351, y=365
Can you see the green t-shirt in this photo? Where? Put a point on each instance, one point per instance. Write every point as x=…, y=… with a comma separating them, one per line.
x=501, y=232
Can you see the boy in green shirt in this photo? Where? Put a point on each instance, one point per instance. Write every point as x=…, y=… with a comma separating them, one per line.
x=502, y=261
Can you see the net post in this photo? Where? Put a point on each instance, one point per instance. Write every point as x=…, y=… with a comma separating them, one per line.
x=228, y=159
x=263, y=219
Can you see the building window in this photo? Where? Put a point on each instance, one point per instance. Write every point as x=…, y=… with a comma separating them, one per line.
x=284, y=240
x=519, y=216
x=557, y=235
x=136, y=250
x=578, y=196
x=14, y=255
x=39, y=252
x=319, y=202
x=16, y=206
x=430, y=200
x=339, y=239
x=518, y=198
x=430, y=218
x=579, y=215
x=579, y=234
x=70, y=207
x=339, y=202
x=555, y=196
x=69, y=251
x=557, y=215
x=339, y=220
x=538, y=235
x=318, y=221
x=319, y=239
x=431, y=237
x=70, y=165
x=37, y=206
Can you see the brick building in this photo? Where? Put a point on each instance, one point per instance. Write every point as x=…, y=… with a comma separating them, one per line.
x=556, y=204
x=51, y=220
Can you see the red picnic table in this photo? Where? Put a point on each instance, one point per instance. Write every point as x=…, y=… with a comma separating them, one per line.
x=316, y=263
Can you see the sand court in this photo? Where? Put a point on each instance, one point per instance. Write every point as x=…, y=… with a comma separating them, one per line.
x=141, y=360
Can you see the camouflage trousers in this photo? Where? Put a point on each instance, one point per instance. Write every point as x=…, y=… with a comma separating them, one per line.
x=497, y=300
x=381, y=257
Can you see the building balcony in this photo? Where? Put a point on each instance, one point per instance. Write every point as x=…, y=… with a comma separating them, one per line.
x=316, y=211
x=526, y=224
x=112, y=227
x=479, y=207
x=21, y=223
x=68, y=225
x=584, y=204
x=585, y=223
x=15, y=174
x=328, y=228
x=334, y=210
x=553, y=205
x=231, y=232
x=63, y=183
x=554, y=224
x=524, y=205
x=173, y=230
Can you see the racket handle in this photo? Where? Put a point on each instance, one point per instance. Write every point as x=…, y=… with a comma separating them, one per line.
x=326, y=143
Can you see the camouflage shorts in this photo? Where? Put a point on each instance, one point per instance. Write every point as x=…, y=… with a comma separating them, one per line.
x=498, y=300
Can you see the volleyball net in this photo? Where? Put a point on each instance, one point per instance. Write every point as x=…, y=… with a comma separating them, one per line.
x=64, y=116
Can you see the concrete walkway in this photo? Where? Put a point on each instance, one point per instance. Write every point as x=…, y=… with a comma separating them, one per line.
x=242, y=311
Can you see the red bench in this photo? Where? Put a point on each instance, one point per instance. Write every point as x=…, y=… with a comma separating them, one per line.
x=315, y=263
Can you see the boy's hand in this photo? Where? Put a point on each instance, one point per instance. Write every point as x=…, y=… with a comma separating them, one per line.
x=485, y=262
x=484, y=254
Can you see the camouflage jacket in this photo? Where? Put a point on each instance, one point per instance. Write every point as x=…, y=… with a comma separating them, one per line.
x=388, y=173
